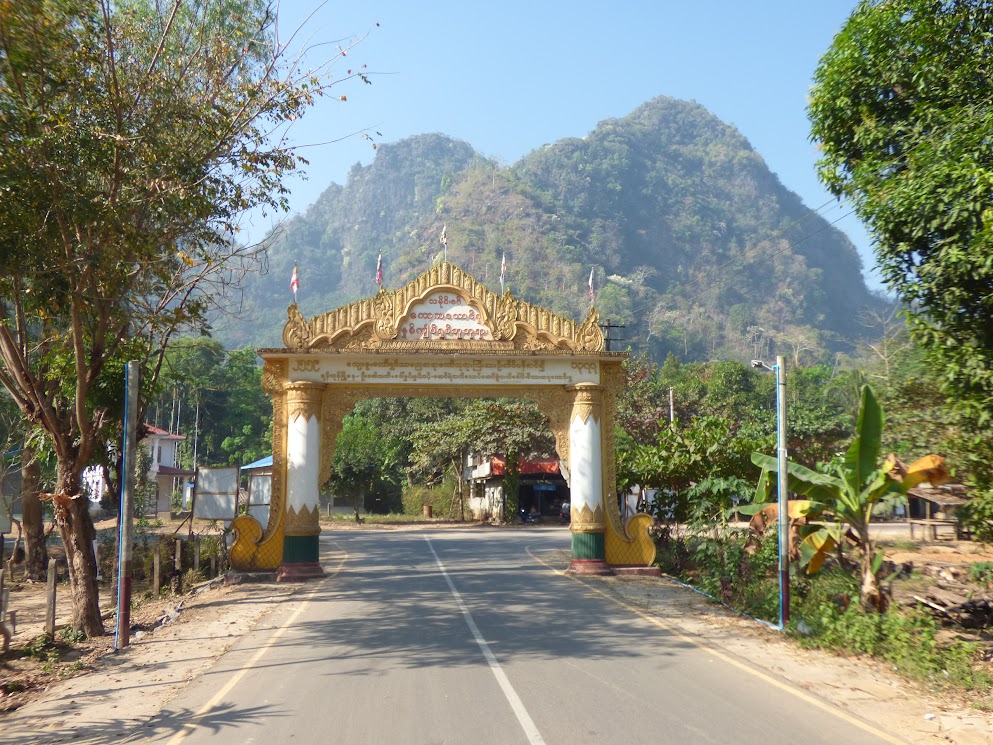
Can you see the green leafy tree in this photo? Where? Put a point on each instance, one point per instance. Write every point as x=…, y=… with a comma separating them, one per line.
x=214, y=396
x=515, y=429
x=708, y=448
x=902, y=108
x=366, y=466
x=398, y=420
x=132, y=137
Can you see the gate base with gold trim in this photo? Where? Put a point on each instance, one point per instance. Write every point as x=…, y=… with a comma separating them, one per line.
x=443, y=335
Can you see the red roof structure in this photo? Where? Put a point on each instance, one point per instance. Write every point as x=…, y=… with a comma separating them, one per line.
x=549, y=466
x=161, y=433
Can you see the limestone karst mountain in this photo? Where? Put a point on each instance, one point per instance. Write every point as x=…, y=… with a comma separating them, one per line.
x=695, y=245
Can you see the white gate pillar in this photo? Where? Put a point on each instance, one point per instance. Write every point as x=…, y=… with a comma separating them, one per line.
x=301, y=552
x=587, y=509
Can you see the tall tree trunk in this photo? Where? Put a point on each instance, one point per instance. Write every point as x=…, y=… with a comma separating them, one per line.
x=35, y=550
x=72, y=516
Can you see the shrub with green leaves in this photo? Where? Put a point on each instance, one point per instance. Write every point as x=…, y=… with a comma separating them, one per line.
x=908, y=641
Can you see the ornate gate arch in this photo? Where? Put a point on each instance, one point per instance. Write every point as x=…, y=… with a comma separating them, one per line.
x=442, y=335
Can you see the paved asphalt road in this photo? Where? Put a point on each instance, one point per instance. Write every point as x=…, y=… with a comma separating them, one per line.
x=461, y=636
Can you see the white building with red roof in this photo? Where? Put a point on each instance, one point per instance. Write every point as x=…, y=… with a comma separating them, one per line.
x=165, y=471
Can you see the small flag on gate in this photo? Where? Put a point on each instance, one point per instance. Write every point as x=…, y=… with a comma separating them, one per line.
x=592, y=294
x=379, y=270
x=503, y=271
x=295, y=282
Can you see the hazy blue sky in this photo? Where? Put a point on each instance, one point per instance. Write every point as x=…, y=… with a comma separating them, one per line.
x=511, y=76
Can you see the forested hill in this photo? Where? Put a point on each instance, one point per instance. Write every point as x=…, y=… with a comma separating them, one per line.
x=696, y=246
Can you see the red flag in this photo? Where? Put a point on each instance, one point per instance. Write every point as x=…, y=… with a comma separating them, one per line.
x=379, y=270
x=295, y=281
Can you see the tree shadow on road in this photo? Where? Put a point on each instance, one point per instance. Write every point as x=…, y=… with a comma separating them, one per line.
x=161, y=728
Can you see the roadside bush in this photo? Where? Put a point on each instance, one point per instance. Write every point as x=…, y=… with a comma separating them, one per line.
x=721, y=567
x=907, y=640
x=824, y=606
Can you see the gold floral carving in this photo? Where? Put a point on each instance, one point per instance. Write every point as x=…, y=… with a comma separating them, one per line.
x=586, y=402
x=556, y=404
x=363, y=340
x=295, y=332
x=274, y=375
x=303, y=399
x=612, y=385
x=368, y=324
x=386, y=321
x=585, y=520
x=306, y=521
x=506, y=317
x=590, y=336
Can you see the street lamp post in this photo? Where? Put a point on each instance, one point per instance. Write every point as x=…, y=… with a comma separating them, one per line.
x=782, y=483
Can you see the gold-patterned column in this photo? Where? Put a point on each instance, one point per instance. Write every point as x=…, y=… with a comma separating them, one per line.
x=586, y=481
x=303, y=461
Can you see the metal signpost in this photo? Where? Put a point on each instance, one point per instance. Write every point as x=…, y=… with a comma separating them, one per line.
x=125, y=536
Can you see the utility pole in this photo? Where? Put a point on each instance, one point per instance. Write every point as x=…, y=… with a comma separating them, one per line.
x=782, y=487
x=672, y=407
x=607, y=338
x=783, y=499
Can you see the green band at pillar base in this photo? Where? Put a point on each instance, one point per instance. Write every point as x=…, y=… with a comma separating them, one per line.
x=588, y=546
x=301, y=549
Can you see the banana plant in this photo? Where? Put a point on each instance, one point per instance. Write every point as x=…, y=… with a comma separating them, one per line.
x=849, y=491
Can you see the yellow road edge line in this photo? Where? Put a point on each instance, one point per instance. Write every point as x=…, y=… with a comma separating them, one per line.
x=187, y=729
x=655, y=620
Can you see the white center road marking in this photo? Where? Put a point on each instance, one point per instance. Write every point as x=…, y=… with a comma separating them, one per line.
x=527, y=724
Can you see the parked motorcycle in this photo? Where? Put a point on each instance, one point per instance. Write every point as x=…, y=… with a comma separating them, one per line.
x=528, y=517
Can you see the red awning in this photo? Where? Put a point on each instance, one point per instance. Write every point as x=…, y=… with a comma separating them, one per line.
x=549, y=466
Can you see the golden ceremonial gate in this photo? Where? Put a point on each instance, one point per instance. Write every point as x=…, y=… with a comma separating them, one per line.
x=443, y=335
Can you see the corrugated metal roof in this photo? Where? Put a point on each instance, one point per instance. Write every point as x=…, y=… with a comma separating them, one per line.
x=260, y=463
x=950, y=494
